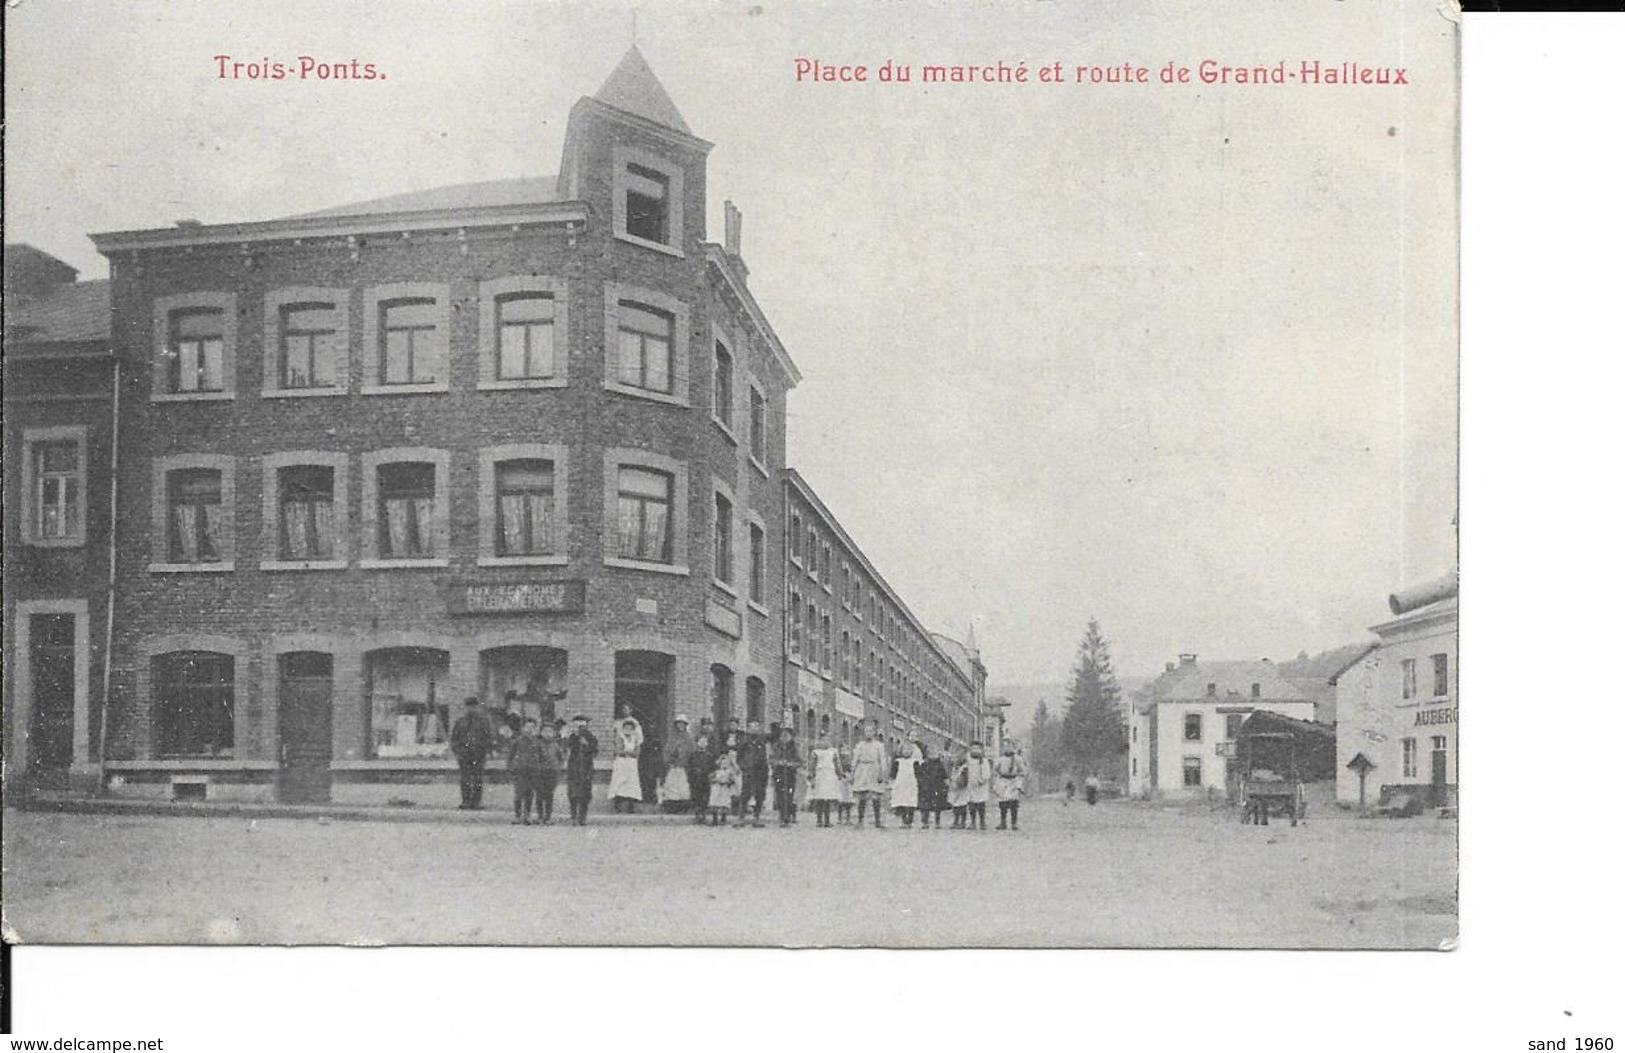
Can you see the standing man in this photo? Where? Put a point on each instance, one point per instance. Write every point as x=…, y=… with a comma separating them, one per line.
x=1091, y=788
x=753, y=763
x=786, y=762
x=579, y=754
x=471, y=740
x=1009, y=784
x=700, y=763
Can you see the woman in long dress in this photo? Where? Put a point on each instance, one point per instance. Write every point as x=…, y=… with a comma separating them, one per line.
x=959, y=787
x=625, y=787
x=675, y=787
x=905, y=787
x=825, y=769
x=869, y=773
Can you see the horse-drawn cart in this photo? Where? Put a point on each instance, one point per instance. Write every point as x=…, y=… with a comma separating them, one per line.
x=1266, y=789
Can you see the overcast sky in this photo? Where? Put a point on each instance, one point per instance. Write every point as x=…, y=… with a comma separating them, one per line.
x=1182, y=358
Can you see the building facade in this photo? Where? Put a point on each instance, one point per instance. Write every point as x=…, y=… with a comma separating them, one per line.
x=61, y=381
x=522, y=441
x=854, y=652
x=1184, y=725
x=1399, y=704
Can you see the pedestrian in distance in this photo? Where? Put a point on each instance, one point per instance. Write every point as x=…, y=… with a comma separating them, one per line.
x=725, y=778
x=675, y=789
x=1072, y=791
x=551, y=757
x=1091, y=788
x=978, y=781
x=905, y=781
x=869, y=774
x=824, y=766
x=933, y=779
x=959, y=788
x=525, y=769
x=1009, y=785
x=785, y=762
x=471, y=741
x=580, y=752
x=625, y=785
x=700, y=763
x=755, y=769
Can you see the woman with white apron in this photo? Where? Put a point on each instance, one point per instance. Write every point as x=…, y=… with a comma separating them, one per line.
x=905, y=787
x=625, y=787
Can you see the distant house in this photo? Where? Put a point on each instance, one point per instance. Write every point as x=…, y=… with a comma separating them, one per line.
x=1397, y=704
x=1316, y=675
x=1184, y=724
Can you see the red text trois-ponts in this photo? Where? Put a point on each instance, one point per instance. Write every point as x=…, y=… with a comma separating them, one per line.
x=305, y=67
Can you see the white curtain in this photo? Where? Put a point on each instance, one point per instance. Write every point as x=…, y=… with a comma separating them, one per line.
x=541, y=522
x=423, y=514
x=513, y=524
x=397, y=520
x=654, y=531
x=186, y=532
x=322, y=543
x=297, y=524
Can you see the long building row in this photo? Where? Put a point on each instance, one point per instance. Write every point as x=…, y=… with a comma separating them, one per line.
x=280, y=494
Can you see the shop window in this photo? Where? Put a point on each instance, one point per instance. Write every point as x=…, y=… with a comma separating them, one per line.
x=307, y=512
x=197, y=350
x=1441, y=675
x=54, y=493
x=194, y=697
x=196, y=515
x=755, y=699
x=309, y=343
x=758, y=564
x=525, y=336
x=525, y=681
x=406, y=510
x=645, y=505
x=722, y=696
x=722, y=392
x=1193, y=727
x=408, y=711
x=1193, y=772
x=412, y=343
x=723, y=540
x=524, y=508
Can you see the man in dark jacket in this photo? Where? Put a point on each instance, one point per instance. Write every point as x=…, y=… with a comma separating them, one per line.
x=700, y=764
x=753, y=765
x=785, y=759
x=580, y=750
x=471, y=741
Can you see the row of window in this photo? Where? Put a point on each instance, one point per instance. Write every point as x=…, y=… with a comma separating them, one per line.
x=523, y=511
x=1441, y=676
x=406, y=344
x=810, y=551
x=1408, y=755
x=1193, y=726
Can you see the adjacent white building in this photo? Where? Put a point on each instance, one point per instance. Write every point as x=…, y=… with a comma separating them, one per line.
x=1184, y=724
x=1398, y=705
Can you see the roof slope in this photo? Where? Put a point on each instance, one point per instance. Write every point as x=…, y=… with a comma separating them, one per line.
x=633, y=87
x=76, y=312
x=528, y=190
x=1232, y=681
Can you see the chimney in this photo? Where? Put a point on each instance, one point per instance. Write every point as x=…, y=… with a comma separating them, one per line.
x=1168, y=667
x=1187, y=659
x=732, y=222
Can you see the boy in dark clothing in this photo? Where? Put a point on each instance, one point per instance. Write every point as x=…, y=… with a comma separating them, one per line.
x=551, y=755
x=755, y=769
x=579, y=753
x=785, y=760
x=700, y=764
x=525, y=767
x=471, y=740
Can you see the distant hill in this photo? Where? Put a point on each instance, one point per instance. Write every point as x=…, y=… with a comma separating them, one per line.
x=1023, y=699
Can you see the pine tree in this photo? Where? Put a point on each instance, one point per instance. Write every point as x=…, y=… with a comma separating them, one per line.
x=1093, y=739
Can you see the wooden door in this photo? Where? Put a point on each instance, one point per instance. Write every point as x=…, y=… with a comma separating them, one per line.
x=305, y=721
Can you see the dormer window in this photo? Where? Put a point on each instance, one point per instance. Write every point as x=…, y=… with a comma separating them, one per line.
x=648, y=201
x=648, y=209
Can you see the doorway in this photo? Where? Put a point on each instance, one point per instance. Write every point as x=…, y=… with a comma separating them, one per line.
x=305, y=725
x=643, y=691
x=1441, y=781
x=50, y=719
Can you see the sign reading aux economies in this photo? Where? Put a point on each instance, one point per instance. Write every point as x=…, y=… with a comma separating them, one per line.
x=517, y=597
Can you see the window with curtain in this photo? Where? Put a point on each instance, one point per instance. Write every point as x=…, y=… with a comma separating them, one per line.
x=644, y=501
x=646, y=340
x=406, y=511
x=525, y=336
x=196, y=517
x=197, y=350
x=524, y=520
x=58, y=479
x=307, y=511
x=309, y=342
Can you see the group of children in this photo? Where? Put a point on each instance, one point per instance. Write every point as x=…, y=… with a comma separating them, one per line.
x=726, y=775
